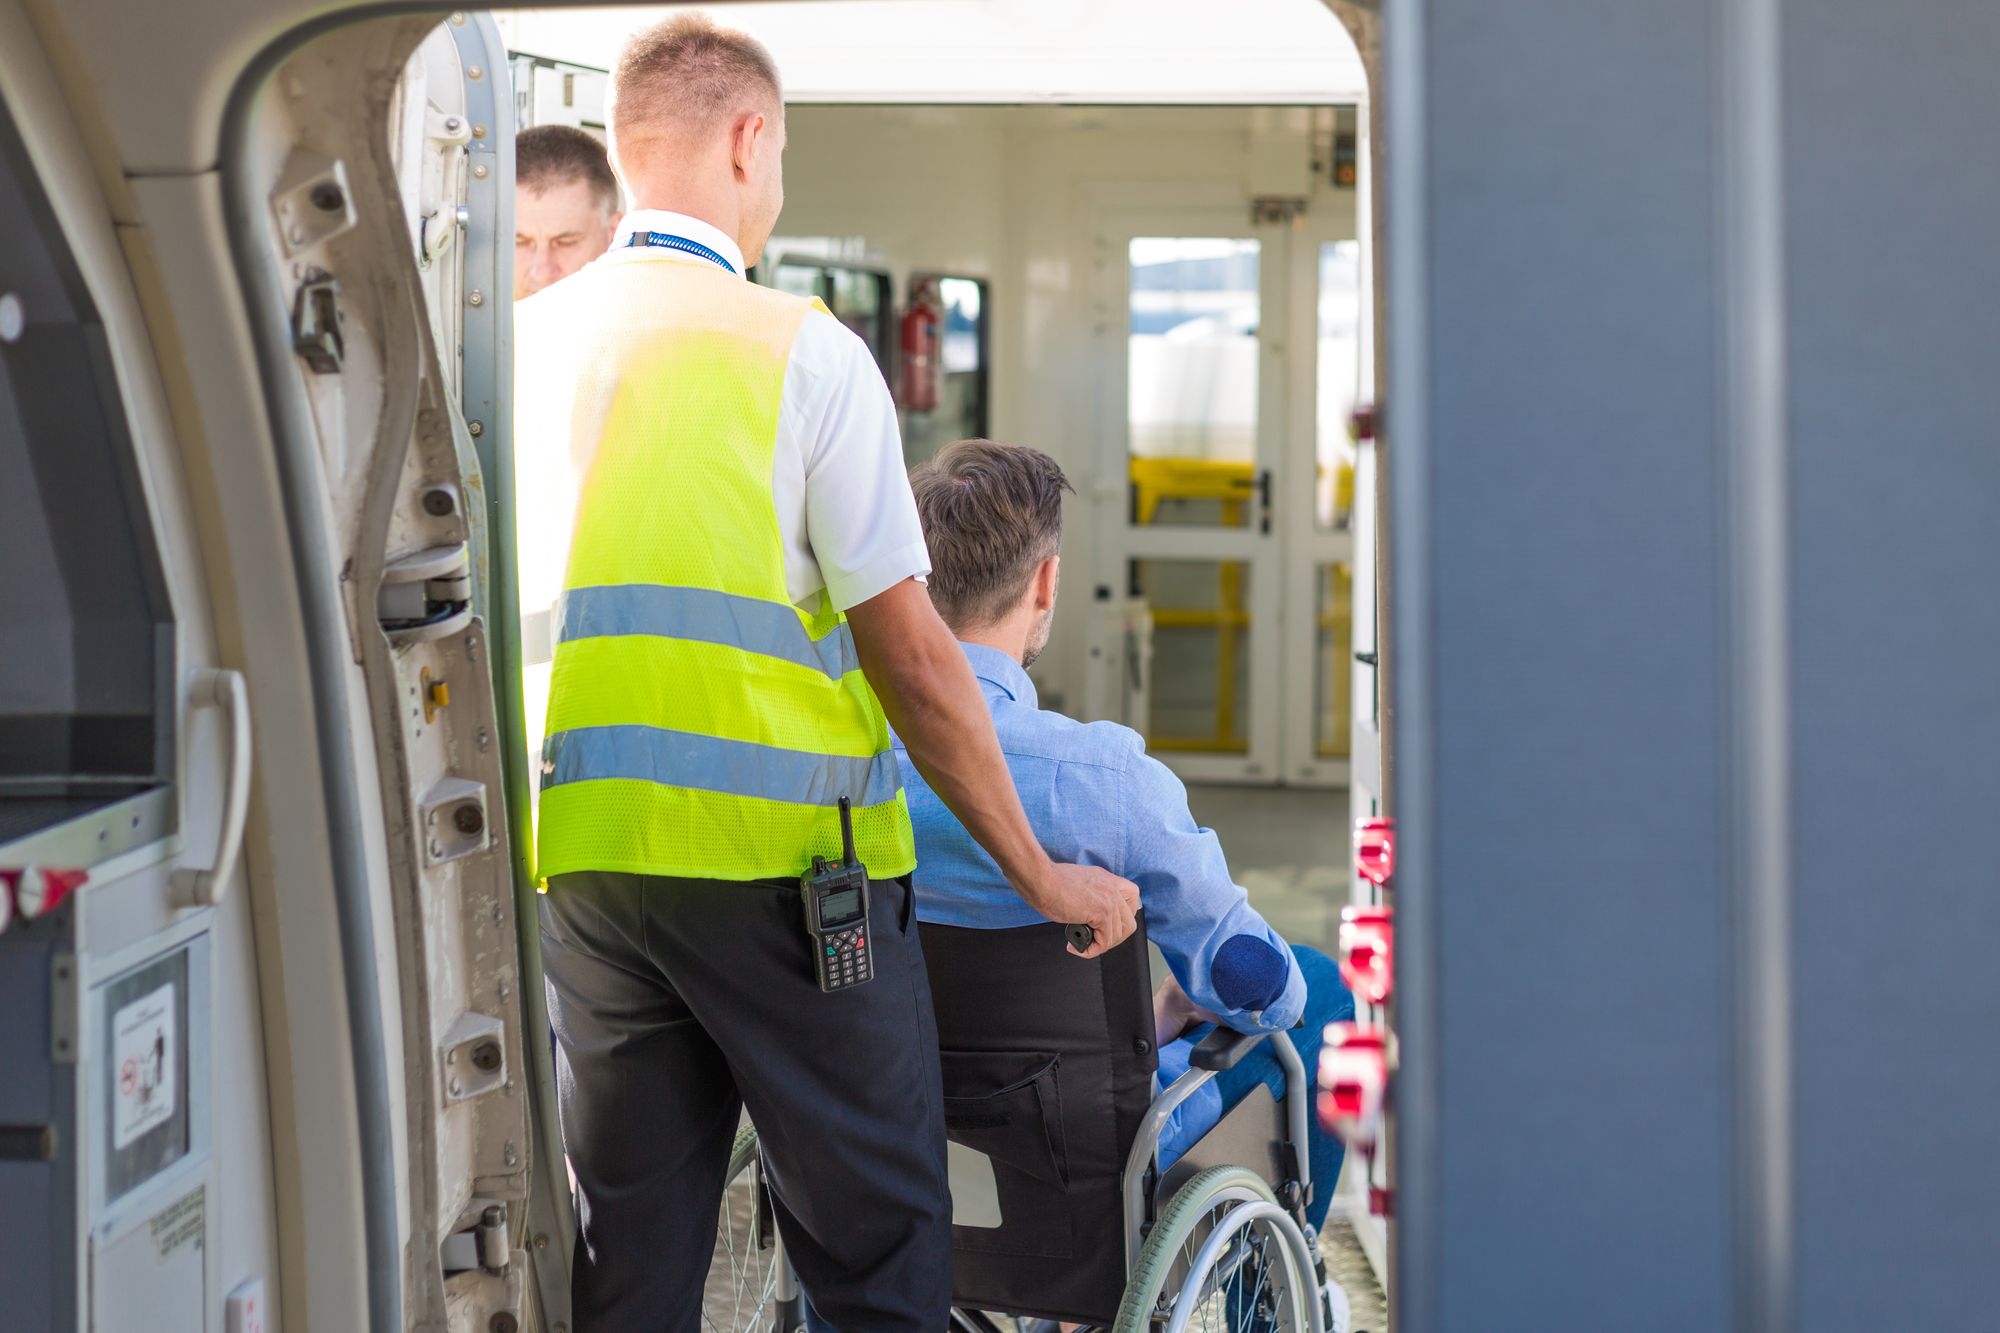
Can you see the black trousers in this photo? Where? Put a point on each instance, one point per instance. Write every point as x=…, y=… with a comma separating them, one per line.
x=678, y=1002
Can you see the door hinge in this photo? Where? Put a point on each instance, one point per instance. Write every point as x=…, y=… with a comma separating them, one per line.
x=427, y=595
x=483, y=1244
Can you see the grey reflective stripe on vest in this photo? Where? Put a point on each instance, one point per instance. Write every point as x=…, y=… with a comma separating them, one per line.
x=708, y=763
x=702, y=615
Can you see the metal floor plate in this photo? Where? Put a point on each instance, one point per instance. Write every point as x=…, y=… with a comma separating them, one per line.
x=1349, y=1266
x=1345, y=1262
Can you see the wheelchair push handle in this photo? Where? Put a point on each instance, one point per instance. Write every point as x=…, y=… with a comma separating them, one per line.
x=1078, y=936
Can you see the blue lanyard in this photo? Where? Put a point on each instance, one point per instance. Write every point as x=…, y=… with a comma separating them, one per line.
x=668, y=241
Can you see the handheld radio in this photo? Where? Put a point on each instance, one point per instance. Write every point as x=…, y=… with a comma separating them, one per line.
x=836, y=904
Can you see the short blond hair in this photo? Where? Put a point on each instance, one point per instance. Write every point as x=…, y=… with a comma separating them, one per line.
x=689, y=74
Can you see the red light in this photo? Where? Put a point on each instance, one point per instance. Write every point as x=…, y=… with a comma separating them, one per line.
x=1367, y=952
x=1353, y=1080
x=1345, y=1100
x=1375, y=850
x=38, y=891
x=1361, y=423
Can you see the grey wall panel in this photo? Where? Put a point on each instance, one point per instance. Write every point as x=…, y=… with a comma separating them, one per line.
x=1892, y=114
x=1569, y=1152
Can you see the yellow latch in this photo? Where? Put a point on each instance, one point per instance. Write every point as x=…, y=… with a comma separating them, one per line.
x=437, y=694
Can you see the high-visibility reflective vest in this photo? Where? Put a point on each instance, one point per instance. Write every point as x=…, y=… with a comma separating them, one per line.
x=699, y=724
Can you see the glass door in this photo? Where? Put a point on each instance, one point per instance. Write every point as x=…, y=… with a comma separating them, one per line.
x=1193, y=431
x=1317, y=513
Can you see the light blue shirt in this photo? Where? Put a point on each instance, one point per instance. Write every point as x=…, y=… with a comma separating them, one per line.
x=1095, y=797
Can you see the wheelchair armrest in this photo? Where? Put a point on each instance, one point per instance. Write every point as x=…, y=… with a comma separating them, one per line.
x=1223, y=1049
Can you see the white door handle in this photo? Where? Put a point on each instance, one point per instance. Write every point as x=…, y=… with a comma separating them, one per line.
x=216, y=687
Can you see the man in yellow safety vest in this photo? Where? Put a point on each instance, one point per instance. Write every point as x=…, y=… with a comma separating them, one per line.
x=742, y=617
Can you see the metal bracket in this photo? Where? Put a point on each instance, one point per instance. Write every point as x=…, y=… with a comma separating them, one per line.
x=316, y=324
x=453, y=816
x=63, y=1020
x=312, y=201
x=473, y=1056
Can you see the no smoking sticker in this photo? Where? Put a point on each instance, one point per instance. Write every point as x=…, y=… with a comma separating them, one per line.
x=142, y=1044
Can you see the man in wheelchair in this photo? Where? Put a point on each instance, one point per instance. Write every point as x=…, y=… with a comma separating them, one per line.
x=1046, y=1057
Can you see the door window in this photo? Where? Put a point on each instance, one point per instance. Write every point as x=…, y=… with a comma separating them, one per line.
x=85, y=674
x=1339, y=373
x=1191, y=380
x=1199, y=701
x=857, y=294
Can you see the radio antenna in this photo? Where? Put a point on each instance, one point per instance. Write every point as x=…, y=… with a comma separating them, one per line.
x=847, y=834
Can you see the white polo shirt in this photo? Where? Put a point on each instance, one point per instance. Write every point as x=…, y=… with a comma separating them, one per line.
x=845, y=513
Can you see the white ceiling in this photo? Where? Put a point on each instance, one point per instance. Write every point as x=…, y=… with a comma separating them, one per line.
x=932, y=51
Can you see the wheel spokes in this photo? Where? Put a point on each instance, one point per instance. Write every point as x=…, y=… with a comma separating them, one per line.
x=742, y=1276
x=1241, y=1291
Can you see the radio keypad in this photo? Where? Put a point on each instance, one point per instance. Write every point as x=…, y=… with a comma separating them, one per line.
x=846, y=961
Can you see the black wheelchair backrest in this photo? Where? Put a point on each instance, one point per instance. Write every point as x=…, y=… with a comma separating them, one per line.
x=1048, y=1069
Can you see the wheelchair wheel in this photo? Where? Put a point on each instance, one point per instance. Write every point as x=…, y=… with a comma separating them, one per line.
x=1225, y=1255
x=741, y=1294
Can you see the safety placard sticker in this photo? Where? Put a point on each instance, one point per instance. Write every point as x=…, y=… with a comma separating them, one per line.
x=179, y=1225
x=142, y=1046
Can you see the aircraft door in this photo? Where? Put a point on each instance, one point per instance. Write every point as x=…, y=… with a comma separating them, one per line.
x=471, y=952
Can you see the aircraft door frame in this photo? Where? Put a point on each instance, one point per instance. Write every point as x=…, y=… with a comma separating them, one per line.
x=486, y=392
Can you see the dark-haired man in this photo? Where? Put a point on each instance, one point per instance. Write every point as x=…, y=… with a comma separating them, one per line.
x=565, y=204
x=992, y=516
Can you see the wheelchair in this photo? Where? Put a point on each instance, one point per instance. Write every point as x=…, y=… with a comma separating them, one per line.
x=1060, y=1210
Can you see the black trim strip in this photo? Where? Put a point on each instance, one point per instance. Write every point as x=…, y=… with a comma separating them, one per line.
x=328, y=653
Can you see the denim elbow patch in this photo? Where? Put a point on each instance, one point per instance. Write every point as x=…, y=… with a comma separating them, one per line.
x=1248, y=973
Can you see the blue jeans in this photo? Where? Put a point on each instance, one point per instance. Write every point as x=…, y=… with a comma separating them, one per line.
x=1327, y=1001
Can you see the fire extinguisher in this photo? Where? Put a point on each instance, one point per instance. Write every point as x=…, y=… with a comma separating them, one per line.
x=920, y=363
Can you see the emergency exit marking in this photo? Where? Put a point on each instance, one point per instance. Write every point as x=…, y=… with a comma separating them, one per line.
x=142, y=1043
